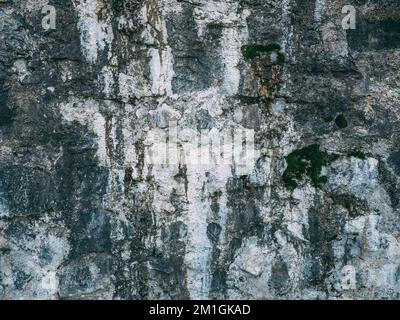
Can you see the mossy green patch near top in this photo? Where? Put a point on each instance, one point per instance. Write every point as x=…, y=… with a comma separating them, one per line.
x=306, y=161
x=341, y=121
x=251, y=51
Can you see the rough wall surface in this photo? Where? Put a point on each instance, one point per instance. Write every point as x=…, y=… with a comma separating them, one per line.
x=83, y=215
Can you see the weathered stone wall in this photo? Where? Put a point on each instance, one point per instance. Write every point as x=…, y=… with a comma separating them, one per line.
x=83, y=214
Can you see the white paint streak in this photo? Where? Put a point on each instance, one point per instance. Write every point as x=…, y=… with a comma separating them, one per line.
x=161, y=71
x=161, y=58
x=319, y=10
x=95, y=34
x=287, y=29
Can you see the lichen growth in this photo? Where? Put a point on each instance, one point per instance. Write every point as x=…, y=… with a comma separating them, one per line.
x=341, y=121
x=306, y=161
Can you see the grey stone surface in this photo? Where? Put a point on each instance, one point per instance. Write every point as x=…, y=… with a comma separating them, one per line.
x=83, y=215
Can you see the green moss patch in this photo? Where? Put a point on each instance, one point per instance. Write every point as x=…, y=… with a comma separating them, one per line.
x=306, y=161
x=341, y=121
x=281, y=58
x=357, y=154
